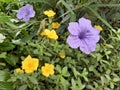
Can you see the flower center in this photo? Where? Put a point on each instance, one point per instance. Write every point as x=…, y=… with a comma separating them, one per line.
x=30, y=65
x=81, y=35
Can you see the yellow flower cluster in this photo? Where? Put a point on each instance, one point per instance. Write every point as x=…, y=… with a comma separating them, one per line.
x=48, y=69
x=50, y=34
x=55, y=25
x=30, y=64
x=98, y=27
x=49, y=13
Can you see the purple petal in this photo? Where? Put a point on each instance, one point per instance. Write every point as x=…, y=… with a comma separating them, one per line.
x=26, y=19
x=73, y=41
x=29, y=8
x=26, y=12
x=95, y=31
x=84, y=24
x=74, y=28
x=87, y=46
x=93, y=36
x=21, y=13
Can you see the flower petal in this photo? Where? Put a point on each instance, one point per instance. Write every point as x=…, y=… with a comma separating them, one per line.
x=26, y=19
x=30, y=10
x=26, y=12
x=84, y=24
x=74, y=28
x=92, y=34
x=87, y=46
x=19, y=15
x=73, y=41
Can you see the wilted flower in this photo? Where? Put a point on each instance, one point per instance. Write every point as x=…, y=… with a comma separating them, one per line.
x=30, y=64
x=62, y=55
x=50, y=34
x=98, y=27
x=26, y=12
x=55, y=25
x=83, y=35
x=48, y=69
x=49, y=13
x=2, y=37
x=19, y=70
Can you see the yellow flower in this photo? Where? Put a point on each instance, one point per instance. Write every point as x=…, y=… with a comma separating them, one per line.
x=50, y=34
x=19, y=70
x=55, y=25
x=48, y=69
x=62, y=55
x=30, y=64
x=98, y=27
x=49, y=13
x=45, y=32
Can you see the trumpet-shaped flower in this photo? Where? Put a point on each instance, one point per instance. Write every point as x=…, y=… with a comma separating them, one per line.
x=48, y=69
x=49, y=13
x=26, y=12
x=50, y=34
x=30, y=64
x=2, y=37
x=83, y=35
x=55, y=25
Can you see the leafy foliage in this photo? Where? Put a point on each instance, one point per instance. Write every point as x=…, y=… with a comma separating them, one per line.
x=99, y=70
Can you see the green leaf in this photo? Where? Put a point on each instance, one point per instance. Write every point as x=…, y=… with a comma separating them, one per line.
x=76, y=73
x=65, y=72
x=11, y=59
x=98, y=16
x=3, y=55
x=4, y=75
x=13, y=26
x=4, y=18
x=6, y=86
x=73, y=84
x=64, y=82
x=7, y=0
x=106, y=5
x=40, y=1
x=48, y=54
x=73, y=17
x=116, y=79
x=58, y=68
x=33, y=80
x=23, y=87
x=6, y=46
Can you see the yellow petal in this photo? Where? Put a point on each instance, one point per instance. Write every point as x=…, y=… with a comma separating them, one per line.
x=48, y=69
x=49, y=13
x=55, y=25
x=45, y=32
x=98, y=27
x=52, y=35
x=30, y=64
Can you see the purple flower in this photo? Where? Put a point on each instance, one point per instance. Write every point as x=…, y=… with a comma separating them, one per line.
x=26, y=12
x=83, y=35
